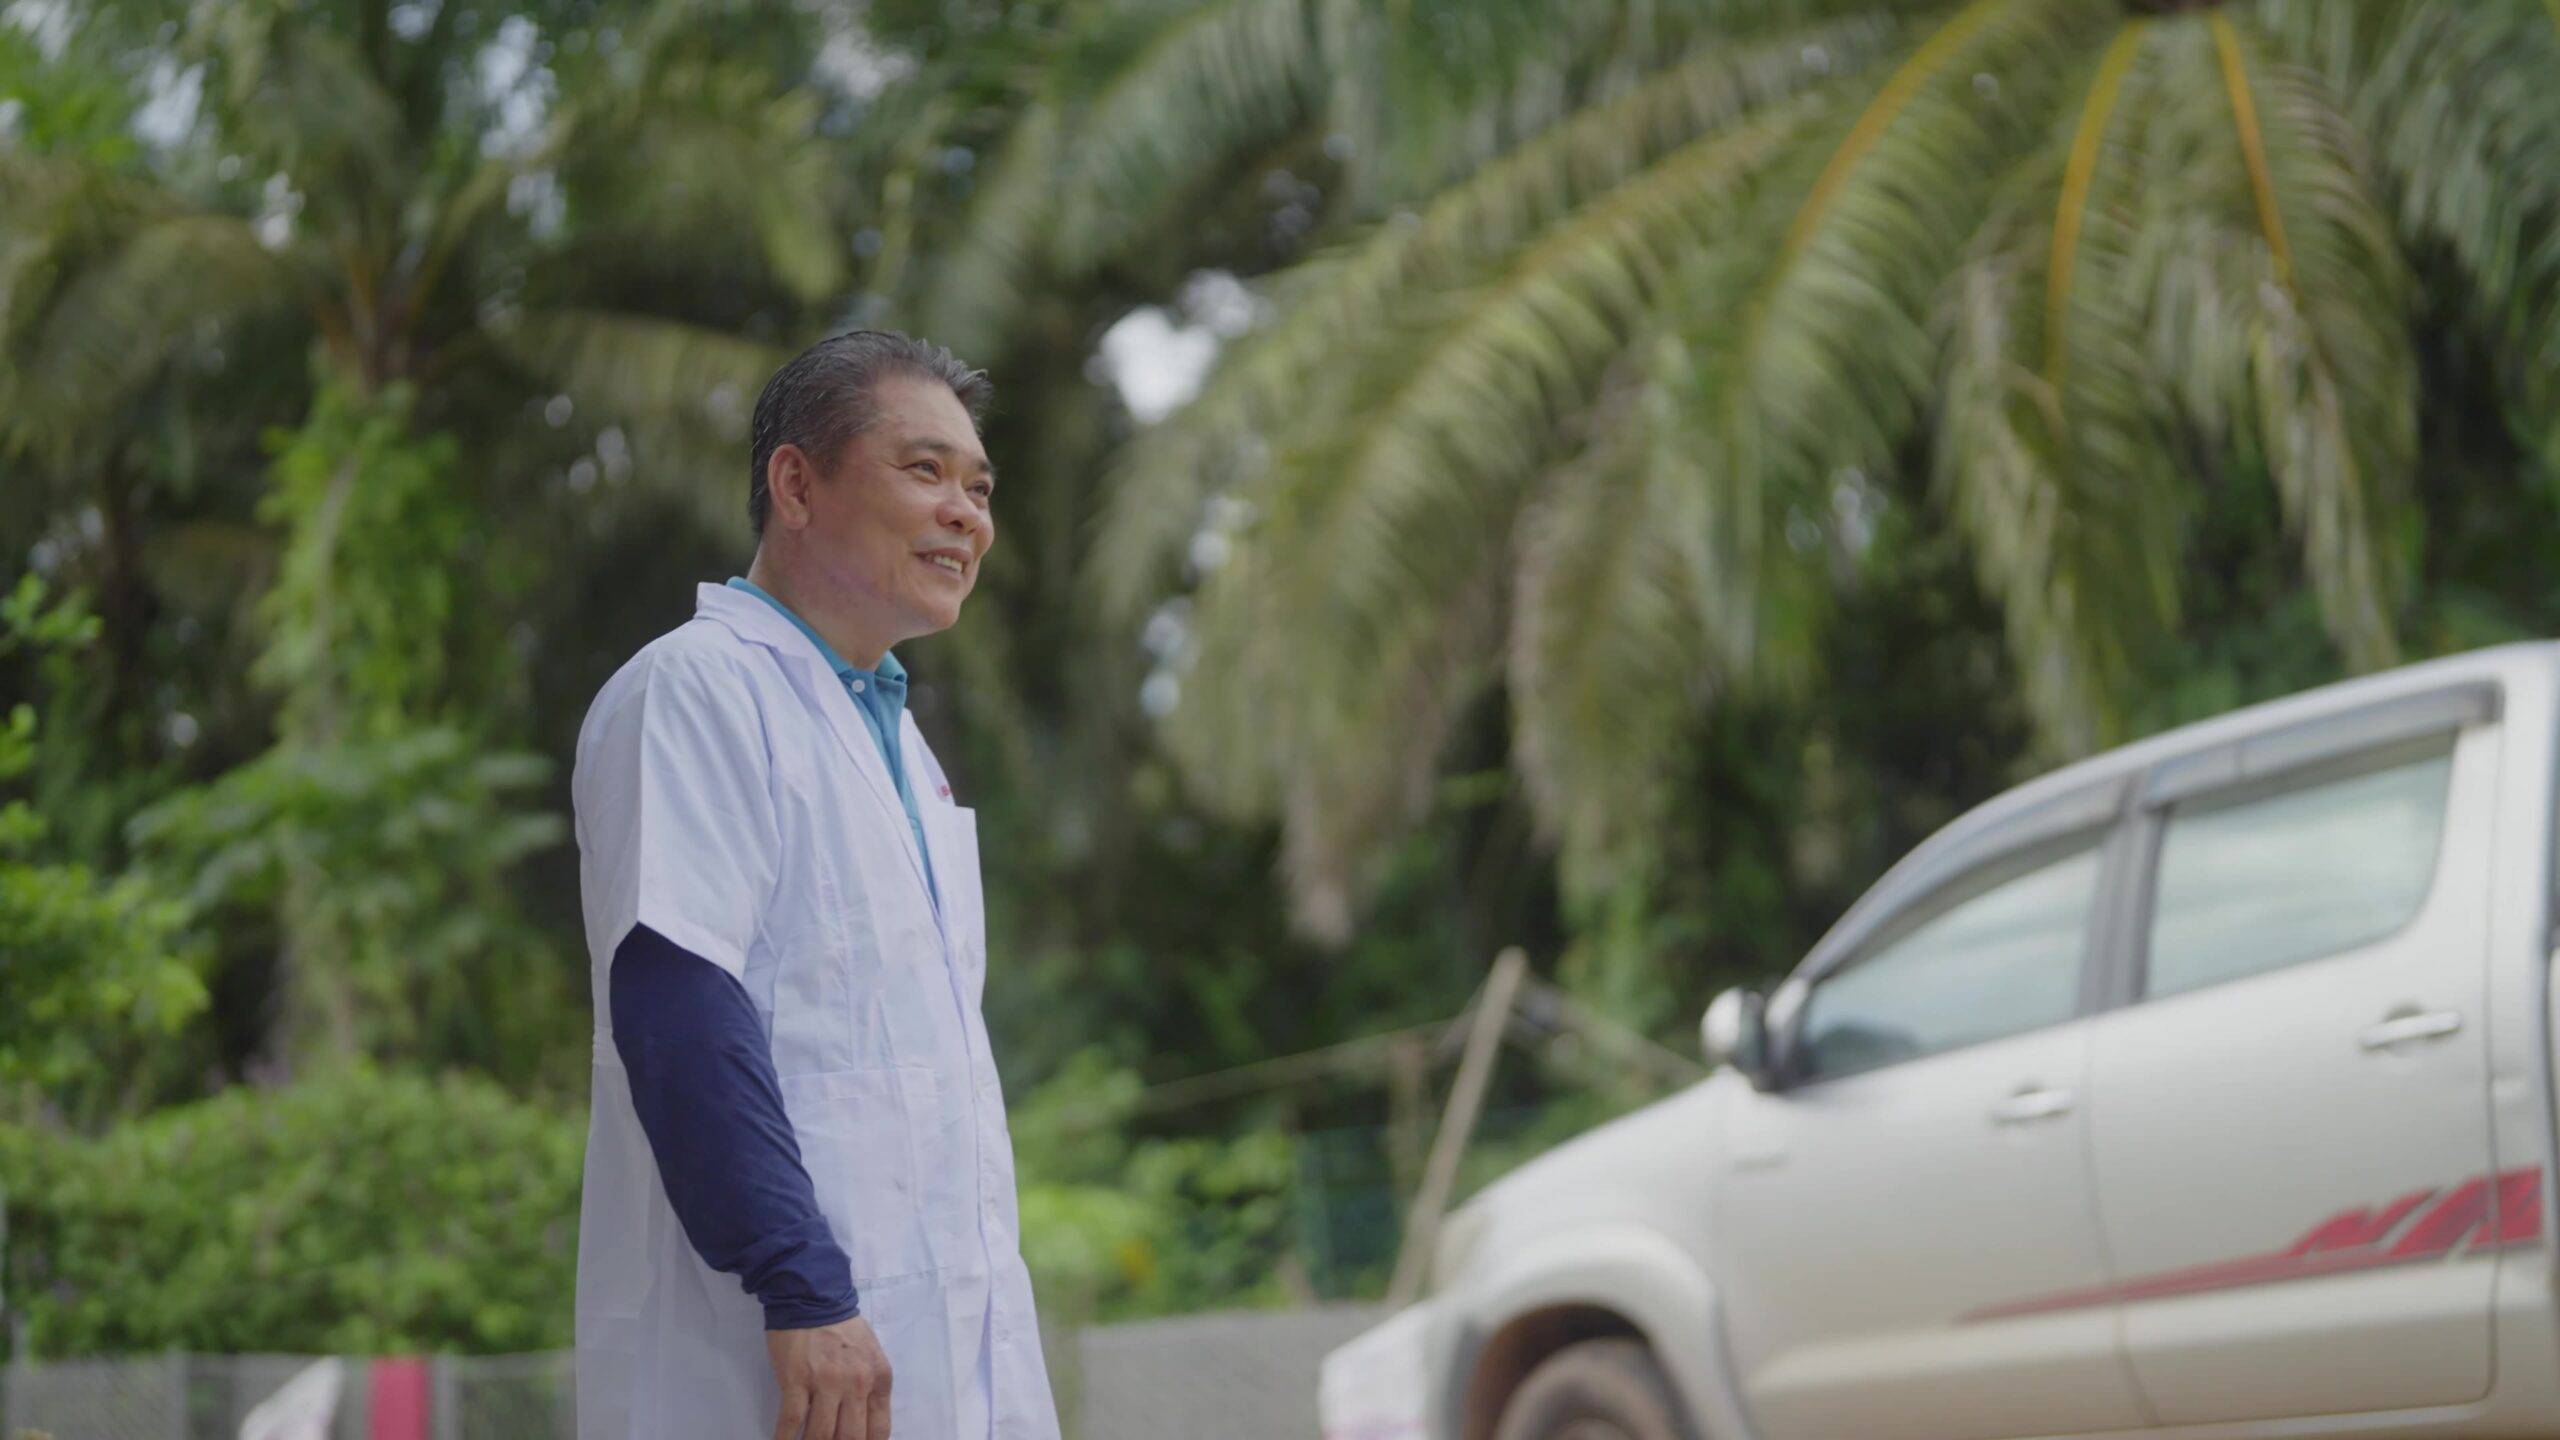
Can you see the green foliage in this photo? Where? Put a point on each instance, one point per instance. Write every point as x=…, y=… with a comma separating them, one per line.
x=1647, y=316
x=362, y=620
x=1229, y=1231
x=98, y=968
x=371, y=1213
x=1089, y=1239
x=381, y=840
x=75, y=107
x=1116, y=1226
x=26, y=618
x=387, y=861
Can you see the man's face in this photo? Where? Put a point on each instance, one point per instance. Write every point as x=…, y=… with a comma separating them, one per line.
x=900, y=525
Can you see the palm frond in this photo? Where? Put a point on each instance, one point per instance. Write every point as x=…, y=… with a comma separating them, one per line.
x=102, y=280
x=1155, y=101
x=1336, y=304
x=983, y=277
x=1810, y=344
x=2458, y=101
x=1345, y=773
x=2080, y=184
x=1401, y=482
x=1367, y=775
x=2278, y=280
x=1217, y=81
x=2053, y=453
x=2253, y=146
x=1396, y=501
x=1425, y=94
x=1608, y=666
x=708, y=160
x=685, y=394
x=1362, y=613
x=302, y=98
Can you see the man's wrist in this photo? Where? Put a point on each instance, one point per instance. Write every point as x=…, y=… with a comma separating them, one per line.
x=810, y=1314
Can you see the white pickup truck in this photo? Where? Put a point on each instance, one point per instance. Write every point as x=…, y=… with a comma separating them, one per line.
x=2203, y=1088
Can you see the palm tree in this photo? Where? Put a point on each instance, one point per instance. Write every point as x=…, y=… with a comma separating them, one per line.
x=418, y=198
x=417, y=216
x=1636, y=308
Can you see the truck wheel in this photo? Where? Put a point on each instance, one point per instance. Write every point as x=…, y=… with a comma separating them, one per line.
x=1597, y=1390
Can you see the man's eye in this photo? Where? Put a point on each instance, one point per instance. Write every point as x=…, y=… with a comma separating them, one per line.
x=928, y=467
x=985, y=492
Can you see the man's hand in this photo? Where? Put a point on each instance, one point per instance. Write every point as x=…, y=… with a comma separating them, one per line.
x=835, y=1382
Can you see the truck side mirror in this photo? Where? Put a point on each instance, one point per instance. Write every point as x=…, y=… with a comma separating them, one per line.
x=1733, y=1032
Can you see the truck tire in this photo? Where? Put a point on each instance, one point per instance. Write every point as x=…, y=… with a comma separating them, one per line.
x=1597, y=1390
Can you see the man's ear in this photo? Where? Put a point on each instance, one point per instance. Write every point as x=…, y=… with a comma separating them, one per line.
x=788, y=475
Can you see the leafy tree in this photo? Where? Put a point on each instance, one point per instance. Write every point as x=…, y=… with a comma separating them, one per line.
x=1642, y=319
x=472, y=198
x=386, y=862
x=414, y=217
x=98, y=968
x=363, y=618
x=370, y=1213
x=1116, y=1225
x=382, y=827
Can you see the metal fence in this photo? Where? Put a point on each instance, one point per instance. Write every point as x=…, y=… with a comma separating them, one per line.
x=1247, y=1375
x=158, y=1397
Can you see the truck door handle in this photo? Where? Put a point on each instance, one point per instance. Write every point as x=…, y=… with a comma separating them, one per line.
x=2401, y=1029
x=2031, y=1104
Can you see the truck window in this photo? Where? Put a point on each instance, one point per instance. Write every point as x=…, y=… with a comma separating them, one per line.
x=2002, y=960
x=2265, y=880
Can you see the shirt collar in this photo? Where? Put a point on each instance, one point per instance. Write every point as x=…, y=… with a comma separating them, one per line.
x=887, y=673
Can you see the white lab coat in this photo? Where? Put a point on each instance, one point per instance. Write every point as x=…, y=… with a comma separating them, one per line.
x=730, y=798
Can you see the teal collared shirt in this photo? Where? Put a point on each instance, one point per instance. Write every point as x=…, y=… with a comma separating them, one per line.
x=879, y=697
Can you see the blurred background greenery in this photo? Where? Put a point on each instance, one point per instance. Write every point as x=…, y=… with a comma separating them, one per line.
x=1599, y=475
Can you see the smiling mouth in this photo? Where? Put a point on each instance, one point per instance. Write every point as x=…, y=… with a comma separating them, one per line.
x=944, y=562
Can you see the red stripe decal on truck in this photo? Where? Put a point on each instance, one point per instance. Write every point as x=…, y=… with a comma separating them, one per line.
x=2486, y=1211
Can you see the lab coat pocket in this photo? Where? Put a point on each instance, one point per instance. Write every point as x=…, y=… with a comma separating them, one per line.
x=911, y=1317
x=955, y=865
x=878, y=1150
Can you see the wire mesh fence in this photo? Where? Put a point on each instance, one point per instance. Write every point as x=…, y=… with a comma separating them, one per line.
x=1353, y=1185
x=1242, y=1375
x=135, y=1399
x=156, y=1397
x=504, y=1397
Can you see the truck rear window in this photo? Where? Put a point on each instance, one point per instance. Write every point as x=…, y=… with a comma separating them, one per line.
x=2273, y=879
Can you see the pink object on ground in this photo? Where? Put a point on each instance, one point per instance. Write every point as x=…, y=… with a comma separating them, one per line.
x=399, y=1395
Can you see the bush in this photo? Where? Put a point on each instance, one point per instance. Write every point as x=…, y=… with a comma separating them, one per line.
x=1115, y=1226
x=99, y=968
x=362, y=1213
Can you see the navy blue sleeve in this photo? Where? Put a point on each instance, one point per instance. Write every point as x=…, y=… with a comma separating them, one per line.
x=702, y=1080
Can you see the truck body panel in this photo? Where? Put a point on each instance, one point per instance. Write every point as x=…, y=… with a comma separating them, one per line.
x=2202, y=1088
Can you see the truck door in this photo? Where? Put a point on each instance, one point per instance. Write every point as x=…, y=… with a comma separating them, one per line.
x=2290, y=1117
x=1927, y=1160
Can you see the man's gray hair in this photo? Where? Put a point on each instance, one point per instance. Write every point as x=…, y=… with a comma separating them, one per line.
x=823, y=398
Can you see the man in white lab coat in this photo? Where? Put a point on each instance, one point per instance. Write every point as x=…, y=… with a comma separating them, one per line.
x=799, y=1210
